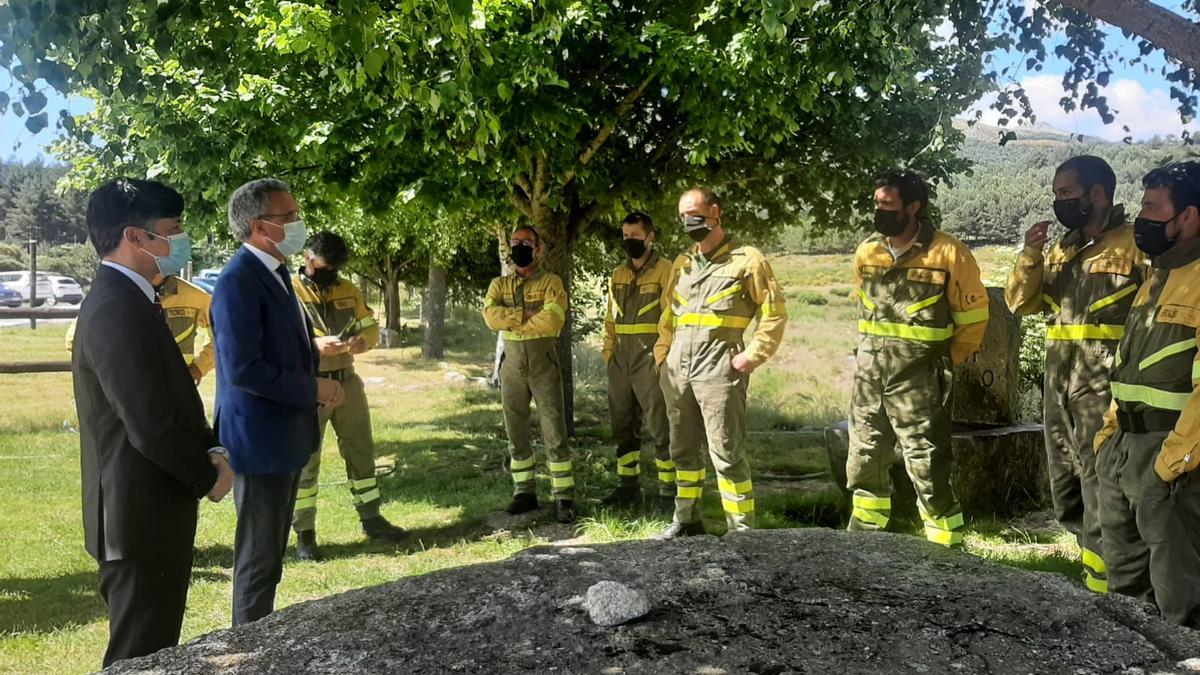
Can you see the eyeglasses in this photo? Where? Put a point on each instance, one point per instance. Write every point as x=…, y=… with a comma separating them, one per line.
x=523, y=242
x=290, y=216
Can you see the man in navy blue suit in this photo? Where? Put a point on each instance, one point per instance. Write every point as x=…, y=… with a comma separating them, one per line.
x=267, y=386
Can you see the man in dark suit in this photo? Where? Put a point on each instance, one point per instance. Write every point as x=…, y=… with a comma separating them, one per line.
x=146, y=450
x=267, y=386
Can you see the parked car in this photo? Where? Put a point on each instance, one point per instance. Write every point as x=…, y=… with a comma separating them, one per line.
x=65, y=289
x=9, y=297
x=206, y=283
x=210, y=275
x=19, y=282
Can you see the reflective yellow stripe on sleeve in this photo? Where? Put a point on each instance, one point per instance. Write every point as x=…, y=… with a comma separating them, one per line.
x=862, y=296
x=556, y=309
x=1053, y=305
x=970, y=316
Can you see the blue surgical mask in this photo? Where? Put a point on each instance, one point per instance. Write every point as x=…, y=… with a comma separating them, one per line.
x=177, y=257
x=294, y=236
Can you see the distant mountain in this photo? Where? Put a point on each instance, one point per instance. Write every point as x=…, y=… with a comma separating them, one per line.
x=1038, y=133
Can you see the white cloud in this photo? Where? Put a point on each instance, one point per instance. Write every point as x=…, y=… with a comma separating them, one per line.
x=1147, y=113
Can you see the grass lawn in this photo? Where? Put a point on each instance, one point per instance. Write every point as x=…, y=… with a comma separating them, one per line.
x=441, y=455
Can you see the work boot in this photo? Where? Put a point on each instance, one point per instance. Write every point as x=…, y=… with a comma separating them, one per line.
x=678, y=529
x=564, y=511
x=625, y=494
x=379, y=529
x=306, y=546
x=522, y=503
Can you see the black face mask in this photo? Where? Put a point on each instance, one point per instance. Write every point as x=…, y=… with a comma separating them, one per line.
x=1151, y=236
x=634, y=248
x=323, y=277
x=890, y=223
x=522, y=255
x=699, y=235
x=1072, y=213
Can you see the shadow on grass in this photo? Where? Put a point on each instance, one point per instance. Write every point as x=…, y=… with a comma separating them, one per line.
x=44, y=605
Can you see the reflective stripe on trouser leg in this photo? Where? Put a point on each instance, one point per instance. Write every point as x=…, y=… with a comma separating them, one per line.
x=666, y=476
x=736, y=498
x=869, y=512
x=947, y=531
x=1096, y=574
x=562, y=483
x=546, y=387
x=352, y=424
x=515, y=398
x=628, y=465
x=871, y=451
x=687, y=439
x=723, y=403
x=918, y=406
x=522, y=474
x=304, y=517
x=625, y=420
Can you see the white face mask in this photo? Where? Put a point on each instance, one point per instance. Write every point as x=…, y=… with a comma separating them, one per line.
x=294, y=235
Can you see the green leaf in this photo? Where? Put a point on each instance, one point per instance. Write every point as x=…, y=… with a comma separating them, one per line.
x=34, y=102
x=373, y=63
x=36, y=123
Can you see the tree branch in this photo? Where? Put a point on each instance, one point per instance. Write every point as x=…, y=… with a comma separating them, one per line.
x=1171, y=32
x=611, y=125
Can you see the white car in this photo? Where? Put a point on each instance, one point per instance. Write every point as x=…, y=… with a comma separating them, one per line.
x=65, y=289
x=19, y=282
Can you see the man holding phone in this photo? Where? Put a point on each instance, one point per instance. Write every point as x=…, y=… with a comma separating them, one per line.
x=344, y=326
x=1086, y=284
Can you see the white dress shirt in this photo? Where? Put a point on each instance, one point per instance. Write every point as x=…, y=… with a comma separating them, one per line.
x=141, y=281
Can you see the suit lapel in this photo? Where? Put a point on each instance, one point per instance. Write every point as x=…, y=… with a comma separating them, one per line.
x=271, y=280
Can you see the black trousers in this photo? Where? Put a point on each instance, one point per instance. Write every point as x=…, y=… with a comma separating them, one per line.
x=265, y=503
x=145, y=599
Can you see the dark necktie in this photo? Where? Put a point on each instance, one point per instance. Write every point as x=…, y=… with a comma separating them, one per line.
x=158, y=308
x=286, y=276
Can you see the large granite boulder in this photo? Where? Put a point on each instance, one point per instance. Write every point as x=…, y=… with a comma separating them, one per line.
x=778, y=601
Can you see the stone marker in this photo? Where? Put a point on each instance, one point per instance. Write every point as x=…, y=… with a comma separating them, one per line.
x=610, y=603
x=988, y=386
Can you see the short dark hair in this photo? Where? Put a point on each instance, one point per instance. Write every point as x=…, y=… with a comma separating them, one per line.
x=909, y=184
x=128, y=202
x=639, y=218
x=709, y=197
x=1181, y=180
x=537, y=238
x=1091, y=171
x=329, y=247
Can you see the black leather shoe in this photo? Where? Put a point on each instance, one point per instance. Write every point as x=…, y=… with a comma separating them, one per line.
x=306, y=546
x=624, y=495
x=678, y=529
x=379, y=529
x=564, y=511
x=522, y=503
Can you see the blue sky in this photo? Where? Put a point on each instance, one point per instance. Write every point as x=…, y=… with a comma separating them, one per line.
x=1140, y=99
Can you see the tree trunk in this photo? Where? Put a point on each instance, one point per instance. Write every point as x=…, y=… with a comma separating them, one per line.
x=557, y=249
x=435, y=315
x=1173, y=33
x=391, y=295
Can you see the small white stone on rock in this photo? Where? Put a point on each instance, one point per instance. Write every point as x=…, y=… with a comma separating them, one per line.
x=575, y=550
x=1191, y=665
x=610, y=603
